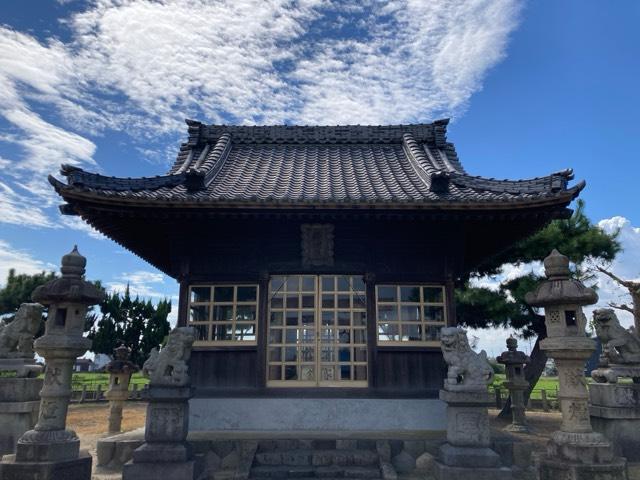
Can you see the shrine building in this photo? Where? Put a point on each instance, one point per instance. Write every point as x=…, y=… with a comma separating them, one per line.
x=316, y=264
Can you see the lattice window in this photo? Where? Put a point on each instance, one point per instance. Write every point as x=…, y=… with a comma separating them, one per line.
x=410, y=314
x=224, y=314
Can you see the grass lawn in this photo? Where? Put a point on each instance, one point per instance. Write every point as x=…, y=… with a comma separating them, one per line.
x=92, y=380
x=550, y=384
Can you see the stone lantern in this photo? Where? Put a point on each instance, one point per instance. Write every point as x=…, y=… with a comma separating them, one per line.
x=575, y=451
x=514, y=362
x=50, y=451
x=120, y=370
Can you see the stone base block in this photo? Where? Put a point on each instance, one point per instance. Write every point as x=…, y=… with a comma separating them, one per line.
x=16, y=418
x=468, y=456
x=448, y=472
x=623, y=434
x=114, y=452
x=75, y=469
x=47, y=452
x=155, y=471
x=559, y=469
x=512, y=427
x=587, y=448
x=162, y=452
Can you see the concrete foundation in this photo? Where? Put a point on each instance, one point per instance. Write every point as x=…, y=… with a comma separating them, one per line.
x=316, y=414
x=615, y=412
x=19, y=407
x=557, y=469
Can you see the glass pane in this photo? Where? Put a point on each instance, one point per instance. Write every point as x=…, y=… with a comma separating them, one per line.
x=387, y=294
x=276, y=318
x=432, y=332
x=275, y=372
x=344, y=354
x=387, y=313
x=246, y=313
x=277, y=301
x=307, y=354
x=199, y=313
x=359, y=319
x=433, y=314
x=433, y=294
x=293, y=283
x=291, y=335
x=222, y=313
x=328, y=318
x=200, y=294
x=308, y=284
x=328, y=284
x=412, y=333
x=308, y=301
x=221, y=332
x=245, y=331
x=307, y=373
x=343, y=284
x=290, y=354
x=308, y=318
x=327, y=373
x=328, y=301
x=292, y=301
x=292, y=318
x=247, y=294
x=359, y=301
x=410, y=313
x=290, y=372
x=275, y=335
x=277, y=283
x=345, y=372
x=410, y=294
x=328, y=335
x=358, y=284
x=344, y=336
x=359, y=336
x=344, y=319
x=387, y=332
x=308, y=335
x=360, y=354
x=327, y=354
x=223, y=294
x=275, y=354
x=202, y=332
x=343, y=301
x=360, y=372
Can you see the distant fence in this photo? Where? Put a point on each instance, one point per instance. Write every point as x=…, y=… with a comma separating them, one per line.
x=95, y=393
x=540, y=399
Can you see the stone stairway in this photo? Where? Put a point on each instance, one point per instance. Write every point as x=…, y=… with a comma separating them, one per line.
x=326, y=459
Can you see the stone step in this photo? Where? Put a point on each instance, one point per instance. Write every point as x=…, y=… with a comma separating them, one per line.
x=325, y=473
x=316, y=444
x=317, y=458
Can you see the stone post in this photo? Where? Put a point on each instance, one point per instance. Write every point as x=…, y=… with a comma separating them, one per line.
x=165, y=453
x=120, y=370
x=19, y=399
x=467, y=453
x=514, y=362
x=50, y=451
x=575, y=451
x=615, y=407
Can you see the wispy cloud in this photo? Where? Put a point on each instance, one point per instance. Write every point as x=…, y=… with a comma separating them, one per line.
x=143, y=283
x=141, y=67
x=19, y=260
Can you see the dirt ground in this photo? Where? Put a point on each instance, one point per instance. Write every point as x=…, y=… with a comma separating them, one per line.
x=89, y=420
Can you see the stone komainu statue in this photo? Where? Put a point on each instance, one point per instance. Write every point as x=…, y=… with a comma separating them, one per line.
x=620, y=349
x=16, y=337
x=168, y=367
x=619, y=345
x=467, y=370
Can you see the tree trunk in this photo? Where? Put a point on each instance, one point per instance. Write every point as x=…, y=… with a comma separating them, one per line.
x=532, y=373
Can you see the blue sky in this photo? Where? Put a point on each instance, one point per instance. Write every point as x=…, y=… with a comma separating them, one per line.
x=531, y=87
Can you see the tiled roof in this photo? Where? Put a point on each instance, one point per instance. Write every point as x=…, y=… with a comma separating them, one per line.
x=285, y=165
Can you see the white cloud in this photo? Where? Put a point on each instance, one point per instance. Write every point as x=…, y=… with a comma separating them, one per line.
x=140, y=67
x=19, y=260
x=76, y=223
x=142, y=283
x=21, y=209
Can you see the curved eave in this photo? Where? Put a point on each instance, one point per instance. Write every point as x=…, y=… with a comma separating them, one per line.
x=71, y=193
